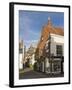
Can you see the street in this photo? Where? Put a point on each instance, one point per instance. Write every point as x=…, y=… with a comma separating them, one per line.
x=28, y=73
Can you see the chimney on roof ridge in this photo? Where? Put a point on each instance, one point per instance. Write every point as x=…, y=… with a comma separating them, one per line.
x=49, y=21
x=49, y=18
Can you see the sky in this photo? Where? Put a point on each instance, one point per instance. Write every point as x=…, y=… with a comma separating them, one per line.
x=31, y=23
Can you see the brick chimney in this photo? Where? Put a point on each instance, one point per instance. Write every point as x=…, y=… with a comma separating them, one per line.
x=49, y=22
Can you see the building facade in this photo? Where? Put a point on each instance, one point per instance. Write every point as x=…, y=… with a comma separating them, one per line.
x=30, y=56
x=21, y=55
x=54, y=54
x=50, y=50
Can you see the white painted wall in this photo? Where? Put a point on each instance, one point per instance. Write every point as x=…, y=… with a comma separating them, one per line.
x=56, y=40
x=33, y=59
x=47, y=62
x=20, y=62
x=47, y=66
x=21, y=56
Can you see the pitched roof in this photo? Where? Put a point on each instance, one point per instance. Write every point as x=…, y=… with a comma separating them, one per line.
x=45, y=33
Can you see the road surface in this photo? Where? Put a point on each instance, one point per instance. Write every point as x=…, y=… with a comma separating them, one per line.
x=28, y=73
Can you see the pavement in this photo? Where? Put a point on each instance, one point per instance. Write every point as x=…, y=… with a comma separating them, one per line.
x=29, y=73
x=25, y=70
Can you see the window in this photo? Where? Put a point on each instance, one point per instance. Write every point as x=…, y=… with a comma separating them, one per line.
x=46, y=46
x=59, y=50
x=57, y=66
x=47, y=50
x=42, y=38
x=20, y=50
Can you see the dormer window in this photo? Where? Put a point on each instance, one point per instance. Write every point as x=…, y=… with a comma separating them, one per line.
x=42, y=38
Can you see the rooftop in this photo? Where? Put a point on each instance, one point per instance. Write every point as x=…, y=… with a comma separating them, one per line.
x=47, y=29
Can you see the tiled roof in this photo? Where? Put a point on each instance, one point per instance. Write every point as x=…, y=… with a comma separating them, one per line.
x=45, y=33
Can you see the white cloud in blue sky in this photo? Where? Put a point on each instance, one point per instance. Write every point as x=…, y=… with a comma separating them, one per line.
x=31, y=23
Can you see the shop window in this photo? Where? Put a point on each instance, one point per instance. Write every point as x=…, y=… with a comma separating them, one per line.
x=57, y=66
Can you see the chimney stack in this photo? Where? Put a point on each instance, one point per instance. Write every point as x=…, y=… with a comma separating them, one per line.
x=49, y=22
